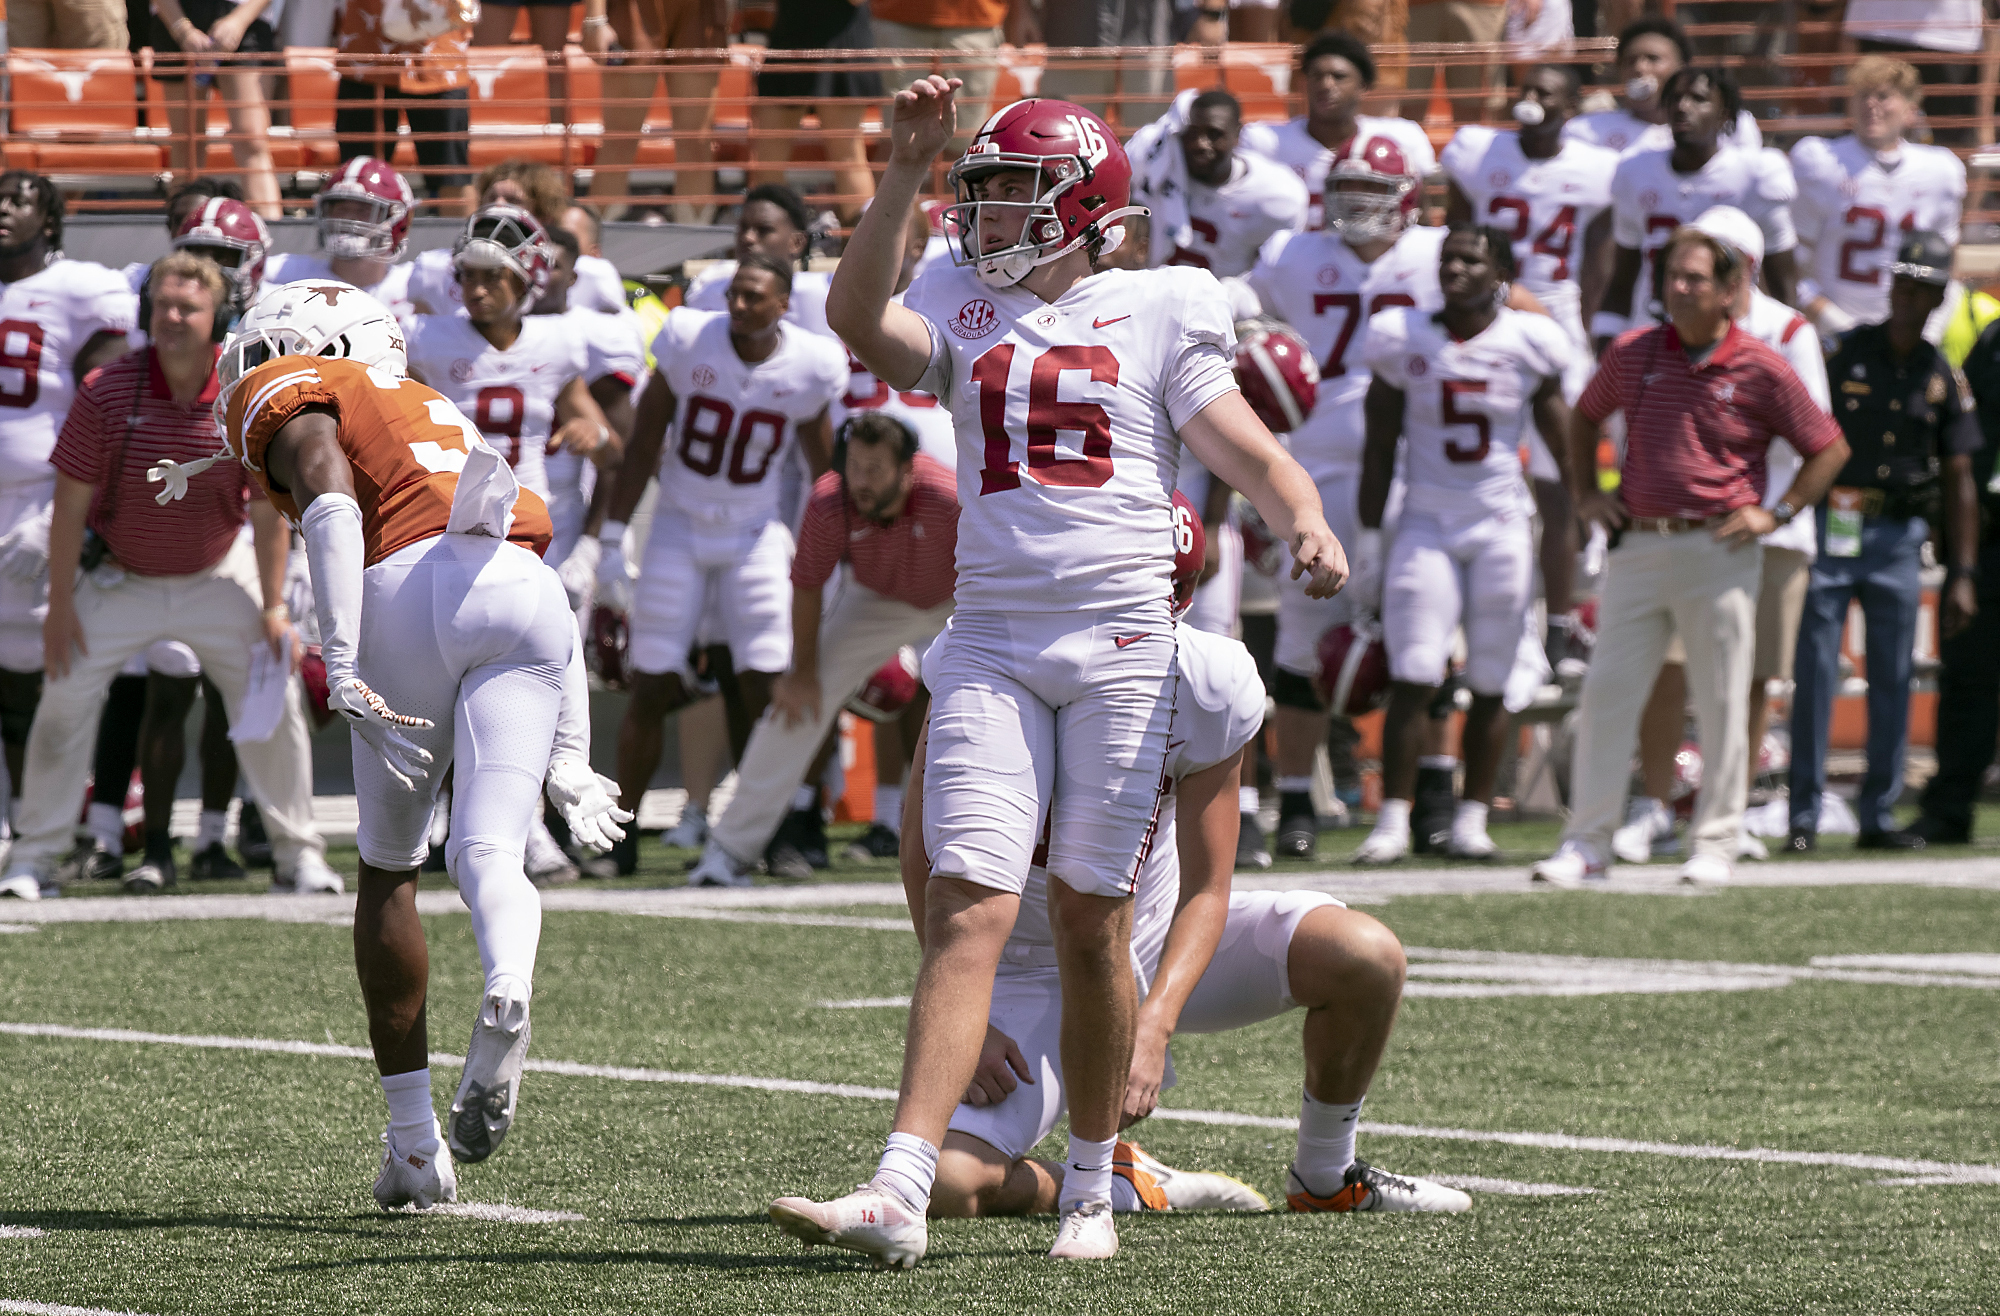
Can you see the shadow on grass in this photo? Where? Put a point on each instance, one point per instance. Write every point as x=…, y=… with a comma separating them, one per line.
x=112, y=1221
x=817, y=1260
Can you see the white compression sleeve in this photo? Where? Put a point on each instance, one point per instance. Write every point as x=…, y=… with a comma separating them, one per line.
x=332, y=529
x=573, y=715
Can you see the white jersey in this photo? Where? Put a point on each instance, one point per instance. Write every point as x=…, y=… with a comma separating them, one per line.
x=393, y=291
x=1852, y=211
x=1218, y=708
x=613, y=347
x=1292, y=146
x=1229, y=225
x=1314, y=282
x=734, y=420
x=1067, y=416
x=936, y=435
x=1544, y=205
x=1787, y=333
x=510, y=395
x=1649, y=200
x=432, y=283
x=1624, y=132
x=710, y=292
x=46, y=319
x=1465, y=405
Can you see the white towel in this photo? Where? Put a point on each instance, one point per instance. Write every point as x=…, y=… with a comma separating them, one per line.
x=1161, y=171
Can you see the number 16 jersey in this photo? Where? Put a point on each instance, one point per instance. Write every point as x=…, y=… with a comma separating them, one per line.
x=1066, y=415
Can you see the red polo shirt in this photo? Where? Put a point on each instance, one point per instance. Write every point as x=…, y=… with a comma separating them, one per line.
x=1696, y=435
x=913, y=559
x=124, y=420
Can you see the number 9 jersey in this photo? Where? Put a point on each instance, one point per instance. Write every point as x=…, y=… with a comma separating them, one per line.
x=1066, y=415
x=45, y=320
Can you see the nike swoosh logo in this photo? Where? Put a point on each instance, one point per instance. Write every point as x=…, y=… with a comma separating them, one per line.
x=1100, y=324
x=1126, y=641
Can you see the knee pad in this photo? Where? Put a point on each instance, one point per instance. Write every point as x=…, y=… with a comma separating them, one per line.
x=1290, y=690
x=476, y=854
x=20, y=695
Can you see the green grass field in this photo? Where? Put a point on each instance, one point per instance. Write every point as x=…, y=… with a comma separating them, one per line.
x=180, y=1179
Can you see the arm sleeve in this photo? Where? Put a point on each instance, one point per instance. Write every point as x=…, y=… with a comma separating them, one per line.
x=1602, y=395
x=332, y=530
x=936, y=379
x=79, y=450
x=1202, y=366
x=1949, y=229
x=113, y=309
x=1808, y=215
x=821, y=535
x=573, y=713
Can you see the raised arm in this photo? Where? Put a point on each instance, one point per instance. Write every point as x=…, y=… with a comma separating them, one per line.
x=1227, y=438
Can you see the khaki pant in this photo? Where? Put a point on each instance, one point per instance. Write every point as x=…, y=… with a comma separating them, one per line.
x=215, y=613
x=66, y=25
x=1655, y=585
x=979, y=74
x=1781, y=599
x=1454, y=20
x=860, y=632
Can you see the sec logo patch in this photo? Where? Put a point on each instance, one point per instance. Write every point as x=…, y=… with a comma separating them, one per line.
x=704, y=377
x=1328, y=276
x=975, y=319
x=461, y=370
x=1417, y=366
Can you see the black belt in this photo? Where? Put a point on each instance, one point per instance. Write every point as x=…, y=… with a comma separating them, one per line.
x=1900, y=503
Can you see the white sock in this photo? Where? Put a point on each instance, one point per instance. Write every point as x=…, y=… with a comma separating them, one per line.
x=805, y=797
x=1394, y=817
x=1470, y=820
x=889, y=807
x=1293, y=785
x=1326, y=1142
x=1246, y=800
x=1086, y=1173
x=411, y=1119
x=106, y=822
x=908, y=1169
x=213, y=823
x=506, y=909
x=1124, y=1197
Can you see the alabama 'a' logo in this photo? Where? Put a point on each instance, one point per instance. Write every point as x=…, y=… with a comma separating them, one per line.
x=975, y=319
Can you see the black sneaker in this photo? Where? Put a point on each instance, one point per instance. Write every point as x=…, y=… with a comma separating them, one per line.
x=1298, y=835
x=787, y=861
x=155, y=874
x=878, y=842
x=91, y=861
x=590, y=864
x=251, y=844
x=1932, y=830
x=812, y=837
x=213, y=864
x=1250, y=851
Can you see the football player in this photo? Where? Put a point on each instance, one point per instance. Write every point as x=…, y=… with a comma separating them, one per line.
x=1456, y=385
x=188, y=198
x=1859, y=193
x=432, y=600
x=740, y=388
x=1072, y=392
x=364, y=211
x=1650, y=50
x=773, y=220
x=1211, y=205
x=1656, y=190
x=538, y=189
x=59, y=320
x=1338, y=73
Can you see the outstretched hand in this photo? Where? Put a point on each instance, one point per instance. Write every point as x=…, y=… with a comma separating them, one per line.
x=923, y=117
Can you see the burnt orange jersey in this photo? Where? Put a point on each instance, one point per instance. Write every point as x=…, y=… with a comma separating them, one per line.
x=406, y=445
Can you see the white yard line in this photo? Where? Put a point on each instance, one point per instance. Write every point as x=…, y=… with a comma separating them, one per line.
x=1922, y=1171
x=19, y=1231
x=53, y=1309
x=1479, y=1183
x=501, y=1214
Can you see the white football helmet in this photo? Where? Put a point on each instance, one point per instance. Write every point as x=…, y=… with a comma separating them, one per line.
x=313, y=317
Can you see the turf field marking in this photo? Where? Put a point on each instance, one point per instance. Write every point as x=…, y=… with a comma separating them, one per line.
x=1911, y=1170
x=51, y=1309
x=19, y=1231
x=868, y=1003
x=18, y=927
x=794, y=920
x=501, y=1214
x=1477, y=1183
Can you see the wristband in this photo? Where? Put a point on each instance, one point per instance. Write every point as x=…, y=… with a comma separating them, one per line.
x=1608, y=324
x=278, y=612
x=599, y=21
x=612, y=532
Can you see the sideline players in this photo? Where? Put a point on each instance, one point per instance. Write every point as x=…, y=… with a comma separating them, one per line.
x=426, y=578
x=1217, y=206
x=1650, y=51
x=364, y=212
x=1455, y=388
x=1072, y=393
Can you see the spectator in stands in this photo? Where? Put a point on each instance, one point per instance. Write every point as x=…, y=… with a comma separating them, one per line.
x=548, y=27
x=838, y=94
x=1143, y=83
x=224, y=27
x=1371, y=22
x=153, y=575
x=1483, y=22
x=972, y=29
x=66, y=25
x=410, y=65
x=1650, y=50
x=643, y=30
x=1912, y=431
x=1927, y=29
x=1702, y=399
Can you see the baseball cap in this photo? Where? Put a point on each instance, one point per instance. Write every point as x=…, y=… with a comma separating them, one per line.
x=1732, y=228
x=1924, y=256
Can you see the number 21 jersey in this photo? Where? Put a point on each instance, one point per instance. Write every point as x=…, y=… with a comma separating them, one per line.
x=1067, y=415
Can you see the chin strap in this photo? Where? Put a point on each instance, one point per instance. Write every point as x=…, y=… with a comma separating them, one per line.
x=175, y=475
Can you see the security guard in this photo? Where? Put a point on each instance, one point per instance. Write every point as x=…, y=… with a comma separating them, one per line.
x=1969, y=622
x=1908, y=417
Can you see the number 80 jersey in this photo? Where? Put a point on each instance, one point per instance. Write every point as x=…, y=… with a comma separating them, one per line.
x=1066, y=415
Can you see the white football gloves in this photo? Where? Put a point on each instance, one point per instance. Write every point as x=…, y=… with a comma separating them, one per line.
x=578, y=572
x=24, y=550
x=589, y=803
x=407, y=761
x=614, y=575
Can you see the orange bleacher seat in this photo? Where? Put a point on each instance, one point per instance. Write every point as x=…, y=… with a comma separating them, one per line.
x=314, y=83
x=79, y=110
x=1260, y=76
x=509, y=108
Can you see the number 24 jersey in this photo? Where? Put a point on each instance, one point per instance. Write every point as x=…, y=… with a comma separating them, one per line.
x=1067, y=415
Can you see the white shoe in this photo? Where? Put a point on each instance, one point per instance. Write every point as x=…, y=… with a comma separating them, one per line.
x=690, y=833
x=1648, y=831
x=1384, y=845
x=718, y=868
x=872, y=1221
x=22, y=886
x=422, y=1177
x=1573, y=864
x=1160, y=1187
x=1706, y=870
x=483, y=1110
x=1471, y=845
x=544, y=860
x=311, y=876
x=1749, y=847
x=1365, y=1188
x=1088, y=1233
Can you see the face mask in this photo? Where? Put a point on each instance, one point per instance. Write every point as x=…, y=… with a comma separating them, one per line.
x=1529, y=114
x=1642, y=88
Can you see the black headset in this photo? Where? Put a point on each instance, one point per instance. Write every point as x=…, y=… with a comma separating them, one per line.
x=906, y=448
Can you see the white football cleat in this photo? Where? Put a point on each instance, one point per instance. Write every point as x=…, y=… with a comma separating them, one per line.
x=1160, y=1187
x=1365, y=1188
x=483, y=1110
x=1706, y=870
x=1384, y=845
x=1573, y=864
x=690, y=833
x=1470, y=844
x=1089, y=1232
x=21, y=886
x=718, y=868
x=311, y=876
x=872, y=1221
x=1749, y=847
x=422, y=1177
x=1648, y=831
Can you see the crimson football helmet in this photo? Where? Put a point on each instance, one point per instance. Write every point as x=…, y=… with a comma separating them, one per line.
x=1372, y=193
x=610, y=641
x=1082, y=187
x=385, y=232
x=1277, y=373
x=1353, y=669
x=508, y=238
x=229, y=233
x=1190, y=551
x=889, y=691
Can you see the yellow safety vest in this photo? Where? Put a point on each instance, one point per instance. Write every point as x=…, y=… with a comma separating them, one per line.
x=652, y=313
x=1975, y=311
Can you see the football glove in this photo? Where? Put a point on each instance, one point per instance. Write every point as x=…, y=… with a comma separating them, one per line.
x=376, y=723
x=589, y=804
x=578, y=571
